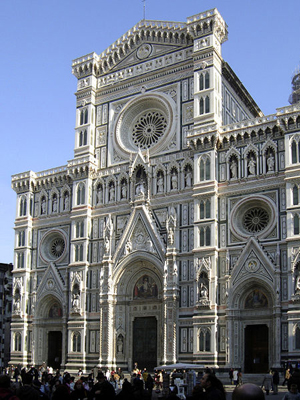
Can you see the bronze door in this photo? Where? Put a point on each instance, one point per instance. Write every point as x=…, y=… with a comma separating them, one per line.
x=144, y=342
x=256, y=349
x=54, y=349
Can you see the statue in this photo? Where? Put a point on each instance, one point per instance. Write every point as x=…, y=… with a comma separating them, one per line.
x=124, y=191
x=120, y=344
x=66, y=202
x=160, y=184
x=270, y=163
x=174, y=181
x=203, y=292
x=112, y=193
x=54, y=204
x=251, y=166
x=188, y=179
x=140, y=190
x=75, y=300
x=128, y=247
x=43, y=206
x=233, y=169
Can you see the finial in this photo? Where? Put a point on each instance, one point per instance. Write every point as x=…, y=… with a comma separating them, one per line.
x=144, y=7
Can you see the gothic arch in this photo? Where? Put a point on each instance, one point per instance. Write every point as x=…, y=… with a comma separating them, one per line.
x=48, y=303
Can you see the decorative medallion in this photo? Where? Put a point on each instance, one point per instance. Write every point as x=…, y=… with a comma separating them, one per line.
x=144, y=51
x=255, y=220
x=53, y=246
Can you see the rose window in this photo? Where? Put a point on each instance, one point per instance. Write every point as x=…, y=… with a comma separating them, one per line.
x=57, y=247
x=255, y=220
x=148, y=129
x=53, y=246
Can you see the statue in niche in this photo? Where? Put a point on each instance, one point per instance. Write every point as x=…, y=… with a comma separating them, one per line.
x=124, y=190
x=43, y=206
x=120, y=344
x=188, y=178
x=76, y=300
x=112, y=193
x=251, y=166
x=54, y=204
x=107, y=245
x=270, y=162
x=160, y=183
x=171, y=235
x=203, y=291
x=233, y=169
x=174, y=181
x=140, y=188
x=99, y=194
x=66, y=202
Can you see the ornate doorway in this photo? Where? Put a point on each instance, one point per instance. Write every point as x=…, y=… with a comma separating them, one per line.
x=144, y=343
x=54, y=349
x=256, y=349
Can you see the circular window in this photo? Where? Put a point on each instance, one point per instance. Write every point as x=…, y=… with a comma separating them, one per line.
x=254, y=215
x=53, y=246
x=146, y=123
x=255, y=220
x=148, y=129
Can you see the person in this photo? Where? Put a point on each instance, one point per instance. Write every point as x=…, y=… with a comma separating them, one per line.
x=286, y=376
x=26, y=391
x=5, y=388
x=231, y=375
x=248, y=391
x=126, y=392
x=292, y=393
x=102, y=389
x=275, y=381
x=214, y=389
x=79, y=391
x=267, y=383
x=149, y=384
x=235, y=377
x=294, y=378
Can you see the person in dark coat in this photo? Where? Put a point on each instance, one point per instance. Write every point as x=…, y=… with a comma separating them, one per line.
x=102, y=390
x=27, y=392
x=275, y=381
x=214, y=389
x=294, y=379
x=5, y=389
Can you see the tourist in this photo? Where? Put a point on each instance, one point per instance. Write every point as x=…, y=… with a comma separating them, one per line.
x=292, y=393
x=214, y=389
x=5, y=388
x=248, y=391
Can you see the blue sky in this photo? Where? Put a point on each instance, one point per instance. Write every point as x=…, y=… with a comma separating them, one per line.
x=40, y=38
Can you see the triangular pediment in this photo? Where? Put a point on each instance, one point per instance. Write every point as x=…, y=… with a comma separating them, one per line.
x=253, y=263
x=140, y=235
x=51, y=283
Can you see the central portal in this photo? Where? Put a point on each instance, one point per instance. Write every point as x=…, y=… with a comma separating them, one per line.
x=54, y=349
x=144, y=334
x=256, y=349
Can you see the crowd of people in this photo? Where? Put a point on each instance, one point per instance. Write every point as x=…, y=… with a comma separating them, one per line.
x=43, y=383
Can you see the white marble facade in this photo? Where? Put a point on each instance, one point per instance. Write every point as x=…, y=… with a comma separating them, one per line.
x=180, y=210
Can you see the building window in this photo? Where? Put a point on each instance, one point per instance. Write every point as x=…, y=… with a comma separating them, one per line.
x=295, y=195
x=79, y=252
x=21, y=238
x=80, y=194
x=79, y=229
x=23, y=206
x=204, y=340
x=207, y=80
x=76, y=342
x=204, y=209
x=20, y=260
x=205, y=236
x=207, y=104
x=205, y=169
x=84, y=116
x=83, y=138
x=201, y=106
x=296, y=225
x=297, y=338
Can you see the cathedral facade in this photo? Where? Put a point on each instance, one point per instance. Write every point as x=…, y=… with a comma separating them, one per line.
x=173, y=234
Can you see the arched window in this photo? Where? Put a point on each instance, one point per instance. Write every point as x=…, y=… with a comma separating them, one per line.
x=295, y=195
x=21, y=238
x=23, y=206
x=297, y=338
x=207, y=104
x=76, y=342
x=80, y=194
x=20, y=260
x=17, y=344
x=79, y=252
x=204, y=209
x=207, y=80
x=294, y=152
x=205, y=239
x=207, y=208
x=204, y=169
x=296, y=225
x=204, y=340
x=79, y=229
x=202, y=205
x=201, y=106
x=201, y=82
